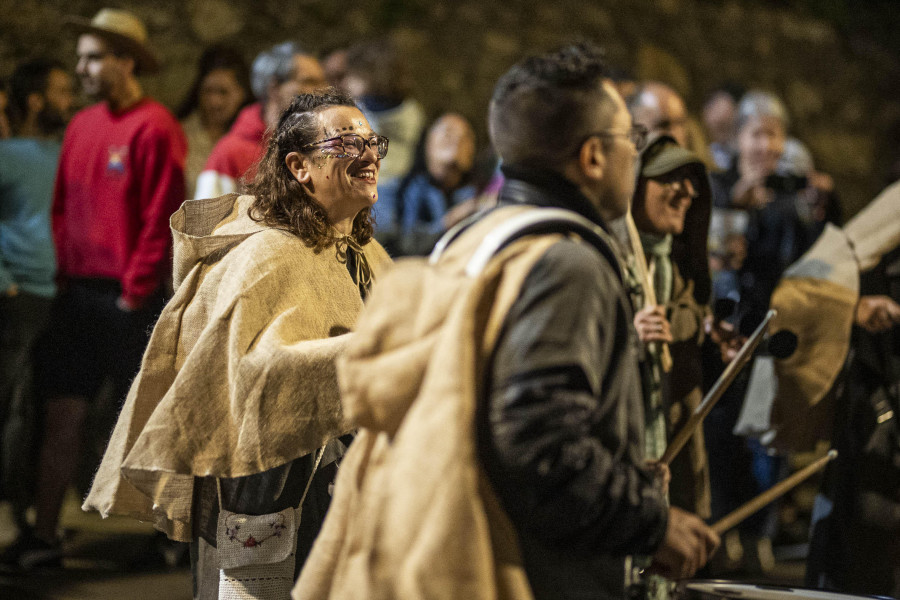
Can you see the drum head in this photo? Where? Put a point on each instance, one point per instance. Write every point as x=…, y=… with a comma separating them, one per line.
x=726, y=590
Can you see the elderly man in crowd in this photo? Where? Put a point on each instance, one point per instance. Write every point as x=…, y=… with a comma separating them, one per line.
x=661, y=110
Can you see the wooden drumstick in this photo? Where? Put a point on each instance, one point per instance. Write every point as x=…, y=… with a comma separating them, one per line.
x=772, y=494
x=712, y=396
x=634, y=237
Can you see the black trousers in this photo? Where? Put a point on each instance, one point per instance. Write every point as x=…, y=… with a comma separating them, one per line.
x=23, y=319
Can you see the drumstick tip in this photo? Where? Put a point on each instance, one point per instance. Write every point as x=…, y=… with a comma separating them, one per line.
x=832, y=454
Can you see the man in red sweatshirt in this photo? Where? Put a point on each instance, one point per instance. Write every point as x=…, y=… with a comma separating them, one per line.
x=121, y=175
x=278, y=75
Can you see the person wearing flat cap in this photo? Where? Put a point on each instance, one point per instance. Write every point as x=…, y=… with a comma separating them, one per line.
x=671, y=211
x=120, y=178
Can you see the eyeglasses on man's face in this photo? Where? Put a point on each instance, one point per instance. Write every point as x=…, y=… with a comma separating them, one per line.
x=353, y=145
x=637, y=135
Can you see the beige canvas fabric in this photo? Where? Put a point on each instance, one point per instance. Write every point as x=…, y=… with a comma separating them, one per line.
x=239, y=374
x=413, y=515
x=816, y=299
x=875, y=231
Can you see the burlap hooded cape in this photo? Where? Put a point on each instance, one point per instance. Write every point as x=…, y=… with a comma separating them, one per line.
x=239, y=374
x=413, y=515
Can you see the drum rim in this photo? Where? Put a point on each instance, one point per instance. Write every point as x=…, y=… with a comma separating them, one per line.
x=795, y=591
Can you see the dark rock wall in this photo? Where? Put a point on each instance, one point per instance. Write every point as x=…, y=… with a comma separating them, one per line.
x=841, y=94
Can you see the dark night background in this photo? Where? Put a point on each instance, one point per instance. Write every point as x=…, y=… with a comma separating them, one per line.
x=835, y=62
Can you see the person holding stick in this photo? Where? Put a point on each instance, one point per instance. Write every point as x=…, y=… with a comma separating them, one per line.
x=666, y=231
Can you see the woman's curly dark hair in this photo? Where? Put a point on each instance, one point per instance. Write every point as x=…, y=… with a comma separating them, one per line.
x=280, y=199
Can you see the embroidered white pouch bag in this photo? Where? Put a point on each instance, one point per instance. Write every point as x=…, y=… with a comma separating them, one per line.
x=257, y=553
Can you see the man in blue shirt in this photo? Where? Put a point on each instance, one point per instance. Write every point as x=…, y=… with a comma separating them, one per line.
x=40, y=104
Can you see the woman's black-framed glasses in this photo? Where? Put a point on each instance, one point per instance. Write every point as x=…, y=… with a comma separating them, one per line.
x=353, y=144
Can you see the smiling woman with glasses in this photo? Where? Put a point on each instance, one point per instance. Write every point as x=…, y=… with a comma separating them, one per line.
x=320, y=172
x=237, y=401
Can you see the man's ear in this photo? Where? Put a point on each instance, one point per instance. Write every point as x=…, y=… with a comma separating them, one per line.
x=35, y=102
x=299, y=166
x=592, y=158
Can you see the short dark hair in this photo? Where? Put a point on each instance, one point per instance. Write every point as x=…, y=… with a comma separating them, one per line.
x=733, y=89
x=544, y=106
x=30, y=77
x=280, y=199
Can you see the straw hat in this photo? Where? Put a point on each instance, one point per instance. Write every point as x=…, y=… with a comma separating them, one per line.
x=123, y=30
